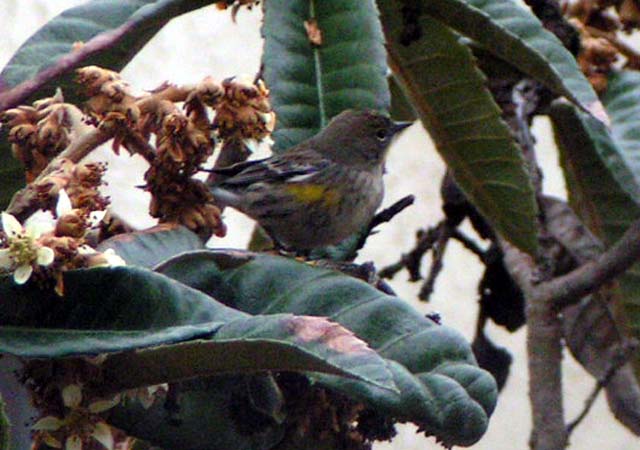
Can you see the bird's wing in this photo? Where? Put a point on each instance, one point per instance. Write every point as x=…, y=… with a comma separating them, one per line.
x=275, y=168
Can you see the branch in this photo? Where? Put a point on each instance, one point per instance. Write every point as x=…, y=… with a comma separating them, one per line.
x=544, y=350
x=439, y=250
x=588, y=278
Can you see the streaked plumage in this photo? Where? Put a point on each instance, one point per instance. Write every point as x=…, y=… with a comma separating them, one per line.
x=321, y=190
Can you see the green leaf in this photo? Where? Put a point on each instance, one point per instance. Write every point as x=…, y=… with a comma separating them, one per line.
x=596, y=196
x=401, y=108
x=447, y=90
x=178, y=332
x=149, y=247
x=514, y=34
x=441, y=387
x=604, y=145
x=112, y=33
x=622, y=100
x=312, y=83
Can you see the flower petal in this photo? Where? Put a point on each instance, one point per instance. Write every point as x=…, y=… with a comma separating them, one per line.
x=22, y=273
x=95, y=217
x=39, y=223
x=48, y=423
x=51, y=441
x=64, y=203
x=6, y=260
x=45, y=256
x=113, y=259
x=104, y=405
x=86, y=250
x=72, y=395
x=73, y=443
x=10, y=225
x=102, y=433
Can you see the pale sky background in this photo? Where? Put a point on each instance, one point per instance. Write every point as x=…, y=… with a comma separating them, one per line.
x=206, y=42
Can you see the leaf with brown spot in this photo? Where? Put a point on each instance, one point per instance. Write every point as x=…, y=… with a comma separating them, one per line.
x=441, y=388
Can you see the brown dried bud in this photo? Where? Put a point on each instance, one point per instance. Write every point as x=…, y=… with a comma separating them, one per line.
x=72, y=224
x=19, y=115
x=93, y=77
x=629, y=13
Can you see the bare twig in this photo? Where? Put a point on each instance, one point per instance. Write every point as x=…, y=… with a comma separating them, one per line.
x=412, y=261
x=385, y=216
x=439, y=250
x=468, y=243
x=389, y=213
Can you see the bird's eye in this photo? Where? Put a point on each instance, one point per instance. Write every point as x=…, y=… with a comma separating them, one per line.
x=381, y=134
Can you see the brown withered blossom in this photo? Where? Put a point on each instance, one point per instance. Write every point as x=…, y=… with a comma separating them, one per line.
x=40, y=132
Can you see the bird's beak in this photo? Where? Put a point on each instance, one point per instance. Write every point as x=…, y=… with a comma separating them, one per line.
x=397, y=127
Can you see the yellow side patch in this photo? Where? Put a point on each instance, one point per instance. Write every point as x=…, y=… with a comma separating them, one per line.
x=313, y=193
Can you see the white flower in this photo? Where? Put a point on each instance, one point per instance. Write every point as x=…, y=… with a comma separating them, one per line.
x=23, y=251
x=113, y=259
x=64, y=204
x=79, y=424
x=108, y=258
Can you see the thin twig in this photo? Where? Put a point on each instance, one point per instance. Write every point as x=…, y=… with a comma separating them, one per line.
x=412, y=260
x=439, y=250
x=389, y=213
x=618, y=361
x=468, y=243
x=384, y=216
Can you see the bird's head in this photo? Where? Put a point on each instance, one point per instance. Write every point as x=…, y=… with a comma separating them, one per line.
x=358, y=137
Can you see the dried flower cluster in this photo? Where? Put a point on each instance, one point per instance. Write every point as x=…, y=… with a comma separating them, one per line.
x=40, y=132
x=184, y=137
x=600, y=23
x=176, y=142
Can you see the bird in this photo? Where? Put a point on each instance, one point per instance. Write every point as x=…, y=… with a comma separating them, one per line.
x=319, y=191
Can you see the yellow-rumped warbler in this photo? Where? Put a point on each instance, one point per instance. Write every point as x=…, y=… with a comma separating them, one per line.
x=320, y=191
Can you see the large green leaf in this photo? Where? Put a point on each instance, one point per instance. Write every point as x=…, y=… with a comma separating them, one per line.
x=441, y=387
x=615, y=155
x=595, y=194
x=447, y=90
x=178, y=332
x=622, y=100
x=312, y=83
x=149, y=247
x=514, y=34
x=112, y=33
